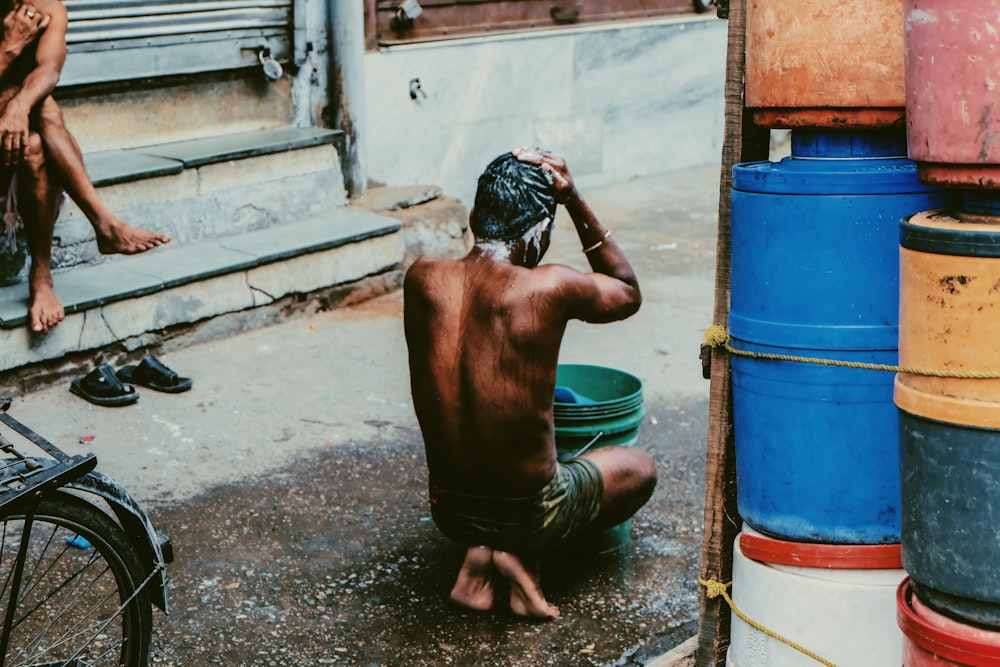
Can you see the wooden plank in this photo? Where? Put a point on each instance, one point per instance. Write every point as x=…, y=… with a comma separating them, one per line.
x=742, y=142
x=680, y=656
x=450, y=18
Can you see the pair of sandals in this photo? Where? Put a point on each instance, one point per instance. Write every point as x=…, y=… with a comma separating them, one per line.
x=107, y=387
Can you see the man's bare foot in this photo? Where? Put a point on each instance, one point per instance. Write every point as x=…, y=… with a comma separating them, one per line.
x=474, y=586
x=526, y=597
x=45, y=310
x=117, y=237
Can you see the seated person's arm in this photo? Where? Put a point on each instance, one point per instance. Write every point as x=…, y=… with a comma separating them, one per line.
x=50, y=54
x=49, y=59
x=21, y=27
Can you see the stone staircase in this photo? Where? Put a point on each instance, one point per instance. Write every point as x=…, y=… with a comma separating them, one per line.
x=261, y=225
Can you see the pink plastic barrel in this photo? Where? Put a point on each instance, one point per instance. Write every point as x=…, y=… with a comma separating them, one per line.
x=933, y=640
x=952, y=87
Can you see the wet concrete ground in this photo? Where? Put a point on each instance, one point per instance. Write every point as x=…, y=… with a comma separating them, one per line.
x=292, y=483
x=334, y=561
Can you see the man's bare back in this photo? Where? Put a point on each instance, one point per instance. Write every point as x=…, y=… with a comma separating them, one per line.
x=484, y=334
x=483, y=372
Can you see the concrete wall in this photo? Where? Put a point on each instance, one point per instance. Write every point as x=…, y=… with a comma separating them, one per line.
x=618, y=101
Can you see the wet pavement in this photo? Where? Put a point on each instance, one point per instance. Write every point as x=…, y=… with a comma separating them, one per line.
x=291, y=478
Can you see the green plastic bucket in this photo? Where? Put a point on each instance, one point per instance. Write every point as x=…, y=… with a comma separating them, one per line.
x=607, y=405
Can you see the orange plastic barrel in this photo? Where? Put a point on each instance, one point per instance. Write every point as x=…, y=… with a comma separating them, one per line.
x=952, y=86
x=949, y=317
x=816, y=63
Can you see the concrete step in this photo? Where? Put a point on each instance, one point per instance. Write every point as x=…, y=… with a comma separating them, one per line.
x=175, y=296
x=125, y=298
x=209, y=188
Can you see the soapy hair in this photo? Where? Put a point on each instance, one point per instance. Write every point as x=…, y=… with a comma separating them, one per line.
x=512, y=197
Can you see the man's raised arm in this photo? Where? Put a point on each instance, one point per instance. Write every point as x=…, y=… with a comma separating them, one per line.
x=612, y=291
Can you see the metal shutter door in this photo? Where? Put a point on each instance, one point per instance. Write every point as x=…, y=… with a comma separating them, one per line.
x=114, y=40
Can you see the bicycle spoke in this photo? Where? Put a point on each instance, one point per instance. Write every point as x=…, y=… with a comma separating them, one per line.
x=10, y=568
x=77, y=606
x=77, y=629
x=32, y=577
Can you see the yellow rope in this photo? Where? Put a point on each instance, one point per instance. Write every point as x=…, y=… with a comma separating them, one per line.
x=717, y=336
x=714, y=589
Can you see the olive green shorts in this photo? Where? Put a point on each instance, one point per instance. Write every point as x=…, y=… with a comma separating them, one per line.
x=560, y=511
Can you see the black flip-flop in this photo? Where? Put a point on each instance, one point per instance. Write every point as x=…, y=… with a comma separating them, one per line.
x=102, y=386
x=150, y=372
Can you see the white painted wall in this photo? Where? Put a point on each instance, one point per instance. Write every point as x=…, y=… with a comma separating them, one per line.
x=618, y=101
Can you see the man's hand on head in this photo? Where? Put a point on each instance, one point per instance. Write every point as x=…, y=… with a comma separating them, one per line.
x=21, y=27
x=554, y=167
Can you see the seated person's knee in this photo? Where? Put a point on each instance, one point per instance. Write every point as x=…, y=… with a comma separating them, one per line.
x=49, y=114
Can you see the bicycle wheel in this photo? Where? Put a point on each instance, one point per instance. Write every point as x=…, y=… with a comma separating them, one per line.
x=78, y=603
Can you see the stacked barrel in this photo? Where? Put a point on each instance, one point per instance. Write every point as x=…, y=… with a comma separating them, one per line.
x=949, y=609
x=815, y=276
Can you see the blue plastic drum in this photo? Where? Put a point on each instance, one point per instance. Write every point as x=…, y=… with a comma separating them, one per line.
x=815, y=273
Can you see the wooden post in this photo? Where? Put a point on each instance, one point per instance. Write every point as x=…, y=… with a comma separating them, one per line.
x=743, y=142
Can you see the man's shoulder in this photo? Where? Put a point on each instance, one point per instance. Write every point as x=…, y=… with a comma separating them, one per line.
x=424, y=265
x=554, y=275
x=424, y=269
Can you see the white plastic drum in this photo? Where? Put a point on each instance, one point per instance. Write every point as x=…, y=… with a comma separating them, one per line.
x=838, y=601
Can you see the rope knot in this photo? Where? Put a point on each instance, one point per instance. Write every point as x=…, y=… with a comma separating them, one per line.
x=714, y=589
x=716, y=335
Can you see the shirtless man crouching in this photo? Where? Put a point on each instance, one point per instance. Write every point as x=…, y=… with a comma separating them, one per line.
x=484, y=334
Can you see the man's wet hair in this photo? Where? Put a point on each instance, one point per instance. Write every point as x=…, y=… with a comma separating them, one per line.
x=512, y=197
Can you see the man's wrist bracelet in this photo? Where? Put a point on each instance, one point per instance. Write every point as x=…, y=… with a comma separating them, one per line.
x=597, y=245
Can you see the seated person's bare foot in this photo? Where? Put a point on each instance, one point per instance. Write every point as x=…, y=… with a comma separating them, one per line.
x=117, y=237
x=45, y=310
x=474, y=586
x=526, y=597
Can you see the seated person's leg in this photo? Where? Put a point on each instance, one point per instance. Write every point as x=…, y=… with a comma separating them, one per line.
x=37, y=202
x=66, y=162
x=629, y=479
